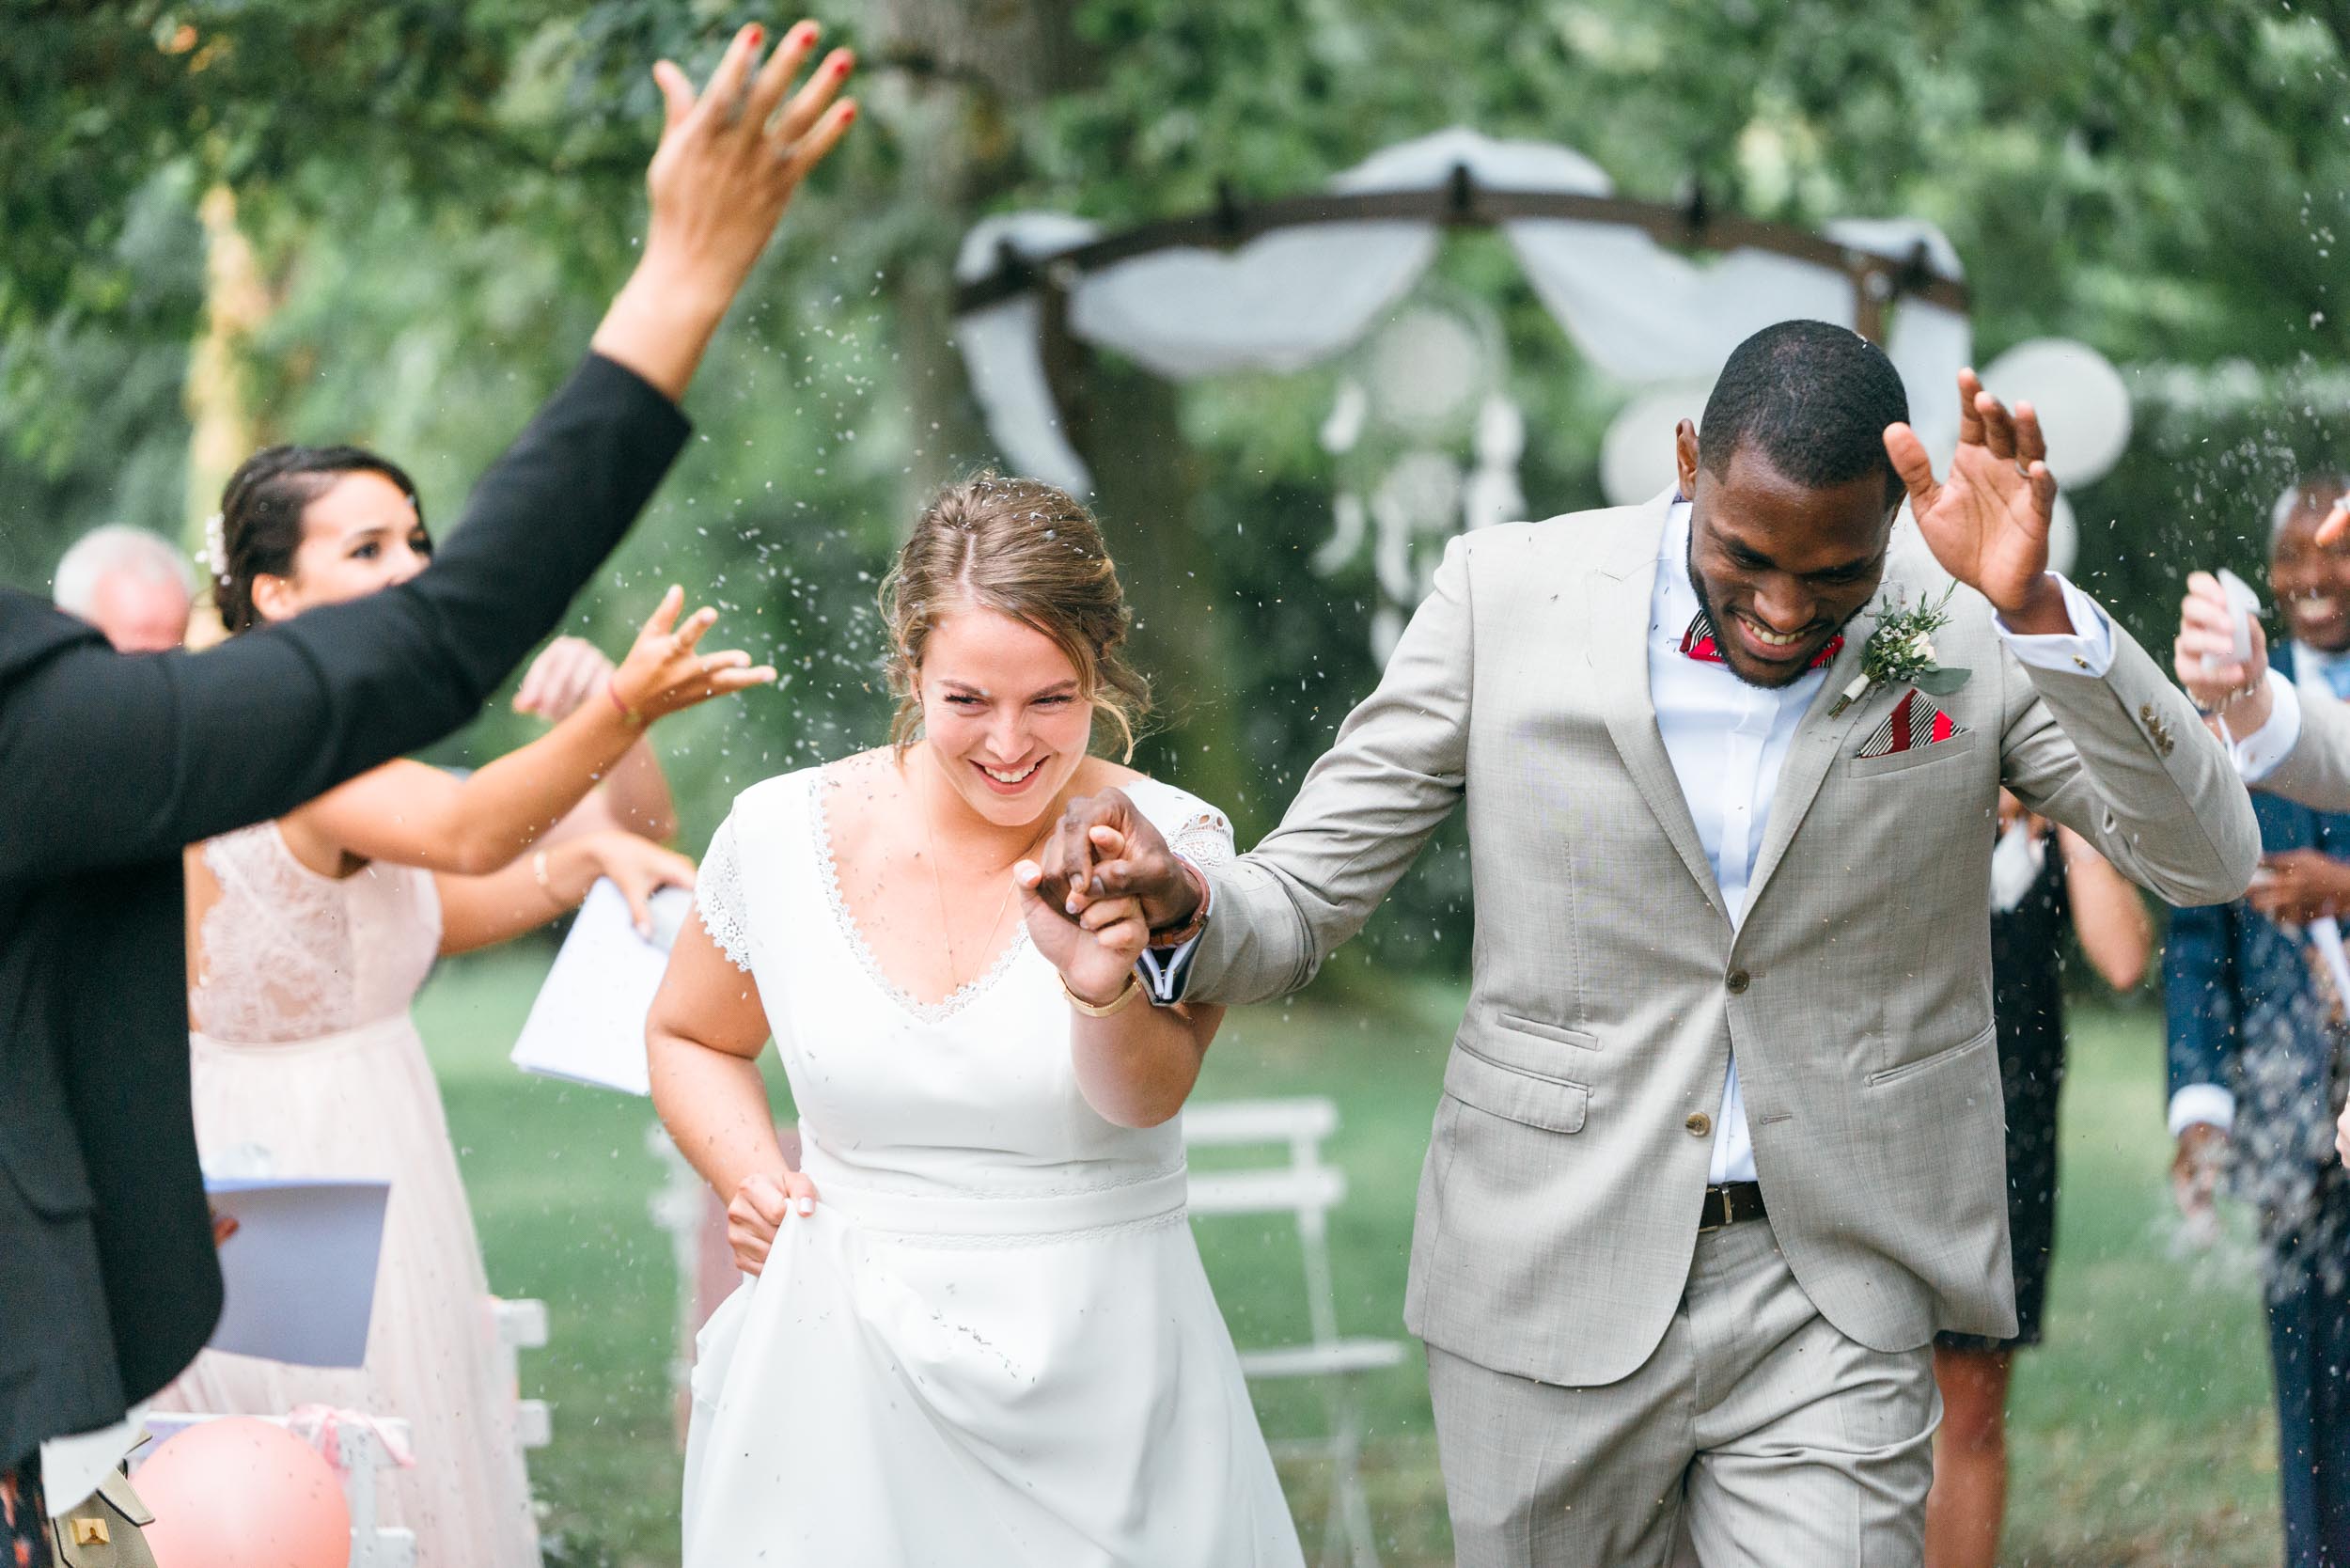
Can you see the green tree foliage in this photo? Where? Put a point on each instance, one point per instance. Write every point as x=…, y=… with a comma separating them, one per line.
x=444, y=193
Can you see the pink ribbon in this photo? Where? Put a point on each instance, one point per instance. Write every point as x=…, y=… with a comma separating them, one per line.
x=321, y=1426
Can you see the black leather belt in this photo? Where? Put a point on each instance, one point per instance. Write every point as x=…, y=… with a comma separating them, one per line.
x=1730, y=1203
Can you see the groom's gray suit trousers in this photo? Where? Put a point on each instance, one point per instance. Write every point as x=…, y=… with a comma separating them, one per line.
x=1768, y=1437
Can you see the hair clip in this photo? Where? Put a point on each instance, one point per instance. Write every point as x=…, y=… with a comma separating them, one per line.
x=214, y=555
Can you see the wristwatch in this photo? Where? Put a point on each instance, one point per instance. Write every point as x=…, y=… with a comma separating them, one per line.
x=1175, y=936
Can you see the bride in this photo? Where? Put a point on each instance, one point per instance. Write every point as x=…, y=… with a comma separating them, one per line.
x=978, y=1330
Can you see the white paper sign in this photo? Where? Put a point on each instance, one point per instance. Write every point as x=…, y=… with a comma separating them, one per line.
x=589, y=1022
x=72, y=1466
x=299, y=1269
x=2326, y=936
x=2243, y=606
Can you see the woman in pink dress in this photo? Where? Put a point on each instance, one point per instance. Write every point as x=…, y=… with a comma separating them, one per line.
x=308, y=938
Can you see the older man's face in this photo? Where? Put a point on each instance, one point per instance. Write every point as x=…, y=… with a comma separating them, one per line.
x=139, y=615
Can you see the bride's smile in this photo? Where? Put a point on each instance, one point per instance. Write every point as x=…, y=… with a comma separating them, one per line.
x=1003, y=711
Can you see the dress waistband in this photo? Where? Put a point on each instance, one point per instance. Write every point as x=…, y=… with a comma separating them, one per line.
x=395, y=1028
x=946, y=1212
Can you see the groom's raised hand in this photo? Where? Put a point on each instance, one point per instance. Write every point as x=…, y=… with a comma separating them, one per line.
x=1988, y=522
x=1076, y=870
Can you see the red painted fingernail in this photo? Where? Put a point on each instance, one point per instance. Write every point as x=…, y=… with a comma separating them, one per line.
x=848, y=112
x=805, y=33
x=757, y=34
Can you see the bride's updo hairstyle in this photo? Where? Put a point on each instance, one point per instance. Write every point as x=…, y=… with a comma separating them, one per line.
x=259, y=525
x=1023, y=549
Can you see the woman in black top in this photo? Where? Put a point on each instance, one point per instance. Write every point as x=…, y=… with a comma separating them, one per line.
x=2042, y=875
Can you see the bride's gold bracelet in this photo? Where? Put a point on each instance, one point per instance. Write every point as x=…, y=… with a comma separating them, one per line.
x=1115, y=1004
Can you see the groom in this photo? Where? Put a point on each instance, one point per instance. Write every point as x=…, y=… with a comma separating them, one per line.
x=1719, y=1148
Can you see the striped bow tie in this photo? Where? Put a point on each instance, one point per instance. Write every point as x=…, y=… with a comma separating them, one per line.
x=1698, y=643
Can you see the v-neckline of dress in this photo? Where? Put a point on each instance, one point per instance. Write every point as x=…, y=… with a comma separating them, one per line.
x=828, y=872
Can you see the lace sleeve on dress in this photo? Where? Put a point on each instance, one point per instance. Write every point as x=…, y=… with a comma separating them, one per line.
x=718, y=898
x=1203, y=836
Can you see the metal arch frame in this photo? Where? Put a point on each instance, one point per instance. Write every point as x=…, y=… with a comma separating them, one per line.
x=1461, y=203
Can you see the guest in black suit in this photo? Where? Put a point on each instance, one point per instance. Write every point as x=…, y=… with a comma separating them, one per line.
x=2044, y=877
x=109, y=764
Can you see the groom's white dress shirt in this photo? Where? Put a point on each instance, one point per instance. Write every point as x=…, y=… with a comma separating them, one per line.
x=1728, y=740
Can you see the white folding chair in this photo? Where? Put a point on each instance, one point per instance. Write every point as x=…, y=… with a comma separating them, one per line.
x=523, y=1325
x=678, y=1207
x=1306, y=1189
x=372, y=1545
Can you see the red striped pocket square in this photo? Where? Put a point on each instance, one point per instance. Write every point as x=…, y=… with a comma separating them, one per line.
x=1914, y=723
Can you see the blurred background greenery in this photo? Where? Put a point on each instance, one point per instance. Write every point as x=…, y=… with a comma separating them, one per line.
x=229, y=222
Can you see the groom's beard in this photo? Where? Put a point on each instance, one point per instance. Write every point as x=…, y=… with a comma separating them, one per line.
x=1723, y=630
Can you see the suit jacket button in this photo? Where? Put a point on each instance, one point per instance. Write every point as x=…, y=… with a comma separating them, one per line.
x=1739, y=980
x=1699, y=1124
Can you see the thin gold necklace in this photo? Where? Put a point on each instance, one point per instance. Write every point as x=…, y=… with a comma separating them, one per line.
x=955, y=982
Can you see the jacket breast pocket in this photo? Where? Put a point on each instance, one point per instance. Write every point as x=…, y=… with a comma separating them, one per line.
x=1917, y=757
x=1933, y=1060
x=1530, y=1099
x=1583, y=1039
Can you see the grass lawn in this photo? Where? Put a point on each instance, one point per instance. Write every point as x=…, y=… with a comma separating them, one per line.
x=2141, y=1431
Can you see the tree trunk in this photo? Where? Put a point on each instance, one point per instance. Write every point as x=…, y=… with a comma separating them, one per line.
x=966, y=69
x=221, y=431
x=1122, y=421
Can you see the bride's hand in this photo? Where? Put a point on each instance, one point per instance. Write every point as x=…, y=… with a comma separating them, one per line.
x=664, y=672
x=760, y=1206
x=1095, y=951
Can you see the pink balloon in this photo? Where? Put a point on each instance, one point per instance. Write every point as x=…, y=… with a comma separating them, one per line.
x=240, y=1492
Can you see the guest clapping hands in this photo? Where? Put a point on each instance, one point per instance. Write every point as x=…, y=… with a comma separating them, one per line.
x=634, y=795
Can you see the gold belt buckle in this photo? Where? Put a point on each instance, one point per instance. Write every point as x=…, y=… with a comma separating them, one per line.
x=1715, y=1194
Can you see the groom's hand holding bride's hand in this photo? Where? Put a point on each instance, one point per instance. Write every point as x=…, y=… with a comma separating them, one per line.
x=1103, y=848
x=1093, y=947
x=761, y=1203
x=1987, y=521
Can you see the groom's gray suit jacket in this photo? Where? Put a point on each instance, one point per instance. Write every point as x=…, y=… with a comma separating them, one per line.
x=1559, y=1203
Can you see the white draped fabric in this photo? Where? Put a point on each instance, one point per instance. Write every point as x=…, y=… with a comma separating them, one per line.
x=1287, y=300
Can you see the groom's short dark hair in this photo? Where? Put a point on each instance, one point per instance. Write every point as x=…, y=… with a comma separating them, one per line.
x=1812, y=398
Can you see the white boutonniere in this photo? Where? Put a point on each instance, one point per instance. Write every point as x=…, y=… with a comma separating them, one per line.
x=1901, y=653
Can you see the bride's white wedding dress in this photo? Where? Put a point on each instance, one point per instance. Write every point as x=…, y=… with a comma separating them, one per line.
x=993, y=1342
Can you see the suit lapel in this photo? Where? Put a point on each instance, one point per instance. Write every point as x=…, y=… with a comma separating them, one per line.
x=1819, y=742
x=1622, y=591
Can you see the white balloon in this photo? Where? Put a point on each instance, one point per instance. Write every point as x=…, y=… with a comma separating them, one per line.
x=2083, y=403
x=1636, y=457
